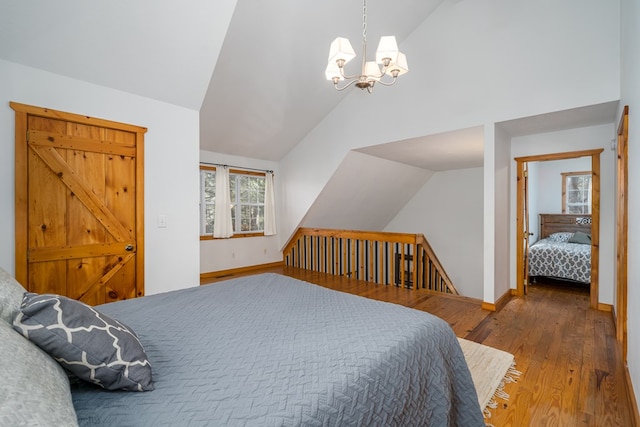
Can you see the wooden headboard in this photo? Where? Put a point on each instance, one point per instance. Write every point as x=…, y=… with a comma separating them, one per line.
x=554, y=223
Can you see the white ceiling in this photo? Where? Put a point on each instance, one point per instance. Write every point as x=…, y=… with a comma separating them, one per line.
x=268, y=89
x=165, y=50
x=254, y=69
x=591, y=115
x=460, y=149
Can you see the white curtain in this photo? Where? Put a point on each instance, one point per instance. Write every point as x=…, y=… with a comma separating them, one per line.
x=222, y=225
x=269, y=206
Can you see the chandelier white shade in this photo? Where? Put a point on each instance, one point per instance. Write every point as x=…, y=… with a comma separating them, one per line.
x=389, y=64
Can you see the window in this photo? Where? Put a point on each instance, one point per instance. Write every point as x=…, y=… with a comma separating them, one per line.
x=576, y=192
x=247, y=201
x=247, y=195
x=207, y=199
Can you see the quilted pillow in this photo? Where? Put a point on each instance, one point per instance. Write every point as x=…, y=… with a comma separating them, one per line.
x=34, y=390
x=86, y=342
x=561, y=237
x=11, y=293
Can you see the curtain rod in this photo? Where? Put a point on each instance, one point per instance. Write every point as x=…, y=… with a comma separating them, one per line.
x=237, y=167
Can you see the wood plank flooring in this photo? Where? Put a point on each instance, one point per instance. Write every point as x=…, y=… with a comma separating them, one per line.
x=572, y=372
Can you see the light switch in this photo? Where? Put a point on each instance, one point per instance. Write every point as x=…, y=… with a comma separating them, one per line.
x=162, y=221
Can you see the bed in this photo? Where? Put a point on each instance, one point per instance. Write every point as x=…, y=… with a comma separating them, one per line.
x=268, y=350
x=564, y=249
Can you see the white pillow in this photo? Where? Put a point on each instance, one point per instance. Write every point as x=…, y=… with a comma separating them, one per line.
x=11, y=293
x=34, y=390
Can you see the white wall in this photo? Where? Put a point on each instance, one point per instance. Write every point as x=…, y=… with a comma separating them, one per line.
x=630, y=19
x=225, y=254
x=588, y=138
x=448, y=211
x=171, y=171
x=496, y=211
x=489, y=207
x=502, y=197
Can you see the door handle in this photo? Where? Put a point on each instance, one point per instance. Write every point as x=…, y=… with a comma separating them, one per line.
x=128, y=248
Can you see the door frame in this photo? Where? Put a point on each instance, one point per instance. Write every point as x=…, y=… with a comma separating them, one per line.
x=622, y=221
x=22, y=113
x=525, y=226
x=595, y=215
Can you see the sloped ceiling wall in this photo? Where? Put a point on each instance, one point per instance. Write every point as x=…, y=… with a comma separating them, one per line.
x=268, y=89
x=164, y=50
x=365, y=193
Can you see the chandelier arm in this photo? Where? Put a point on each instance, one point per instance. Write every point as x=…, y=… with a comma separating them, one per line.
x=391, y=83
x=344, y=76
x=383, y=71
x=345, y=86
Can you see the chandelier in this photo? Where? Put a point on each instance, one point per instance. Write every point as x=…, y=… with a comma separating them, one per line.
x=389, y=64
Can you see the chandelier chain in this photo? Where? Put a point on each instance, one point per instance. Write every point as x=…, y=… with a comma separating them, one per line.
x=364, y=21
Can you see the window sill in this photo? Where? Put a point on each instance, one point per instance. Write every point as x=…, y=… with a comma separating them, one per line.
x=235, y=236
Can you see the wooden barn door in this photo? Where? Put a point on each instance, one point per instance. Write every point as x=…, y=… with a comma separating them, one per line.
x=79, y=205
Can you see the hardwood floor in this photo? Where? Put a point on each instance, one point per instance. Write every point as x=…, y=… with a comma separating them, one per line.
x=572, y=372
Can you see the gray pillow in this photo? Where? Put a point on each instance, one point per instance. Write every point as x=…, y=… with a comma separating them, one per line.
x=86, y=342
x=11, y=293
x=34, y=390
x=580, y=237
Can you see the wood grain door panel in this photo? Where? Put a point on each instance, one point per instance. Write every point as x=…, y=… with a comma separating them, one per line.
x=83, y=201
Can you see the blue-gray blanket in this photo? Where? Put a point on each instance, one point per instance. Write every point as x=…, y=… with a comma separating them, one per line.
x=269, y=350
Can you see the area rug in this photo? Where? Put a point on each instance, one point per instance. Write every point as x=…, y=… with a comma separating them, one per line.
x=490, y=370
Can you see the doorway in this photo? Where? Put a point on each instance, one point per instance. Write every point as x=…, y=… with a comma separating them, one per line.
x=521, y=221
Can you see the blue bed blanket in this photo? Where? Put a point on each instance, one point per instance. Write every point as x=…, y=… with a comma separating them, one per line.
x=269, y=350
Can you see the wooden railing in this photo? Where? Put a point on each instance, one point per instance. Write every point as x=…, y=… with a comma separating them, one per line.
x=377, y=257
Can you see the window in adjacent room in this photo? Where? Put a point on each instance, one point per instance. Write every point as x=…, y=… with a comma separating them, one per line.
x=576, y=192
x=247, y=190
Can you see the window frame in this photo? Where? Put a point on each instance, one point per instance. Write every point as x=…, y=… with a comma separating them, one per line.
x=236, y=234
x=565, y=176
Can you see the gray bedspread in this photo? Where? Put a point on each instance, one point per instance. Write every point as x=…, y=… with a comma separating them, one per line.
x=269, y=350
x=560, y=259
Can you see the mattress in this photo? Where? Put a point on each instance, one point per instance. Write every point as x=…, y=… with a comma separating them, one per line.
x=560, y=259
x=268, y=350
